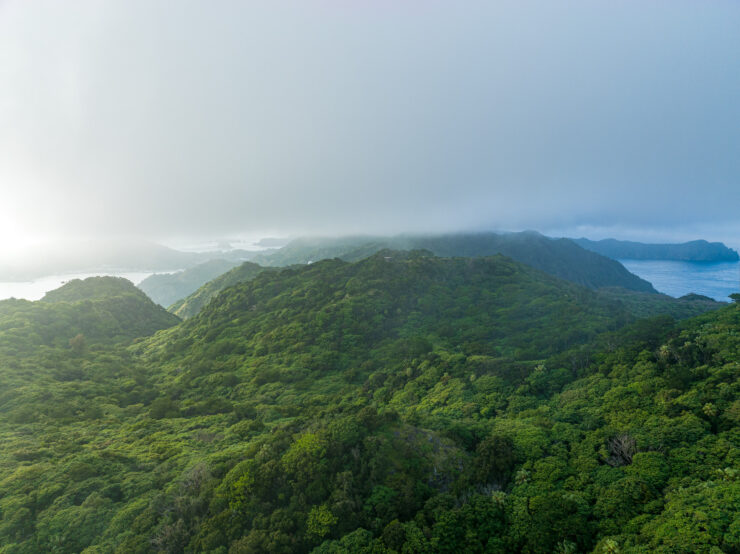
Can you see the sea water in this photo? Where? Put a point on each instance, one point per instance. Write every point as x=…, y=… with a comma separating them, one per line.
x=713, y=279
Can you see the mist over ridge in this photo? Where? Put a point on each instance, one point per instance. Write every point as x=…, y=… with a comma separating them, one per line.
x=291, y=119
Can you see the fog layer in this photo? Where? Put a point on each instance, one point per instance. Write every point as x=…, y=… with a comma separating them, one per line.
x=172, y=119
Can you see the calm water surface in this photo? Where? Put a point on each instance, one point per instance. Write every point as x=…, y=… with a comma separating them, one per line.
x=713, y=279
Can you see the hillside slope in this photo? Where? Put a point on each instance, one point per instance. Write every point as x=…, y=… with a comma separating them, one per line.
x=167, y=288
x=190, y=305
x=434, y=289
x=559, y=257
x=642, y=304
x=102, y=309
x=403, y=403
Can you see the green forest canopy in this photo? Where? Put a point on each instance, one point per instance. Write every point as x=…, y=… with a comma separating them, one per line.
x=403, y=403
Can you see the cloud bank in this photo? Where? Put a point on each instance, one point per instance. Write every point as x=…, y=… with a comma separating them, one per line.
x=191, y=118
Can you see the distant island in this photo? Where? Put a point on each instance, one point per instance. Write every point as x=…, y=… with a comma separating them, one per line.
x=693, y=251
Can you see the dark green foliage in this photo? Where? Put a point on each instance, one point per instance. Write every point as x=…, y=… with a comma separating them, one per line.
x=643, y=304
x=559, y=257
x=403, y=403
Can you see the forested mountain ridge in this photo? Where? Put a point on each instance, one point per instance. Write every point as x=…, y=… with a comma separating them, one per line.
x=403, y=403
x=193, y=303
x=693, y=251
x=641, y=304
x=92, y=288
x=102, y=309
x=396, y=280
x=559, y=257
x=167, y=288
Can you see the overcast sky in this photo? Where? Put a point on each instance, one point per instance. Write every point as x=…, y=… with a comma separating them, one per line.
x=193, y=119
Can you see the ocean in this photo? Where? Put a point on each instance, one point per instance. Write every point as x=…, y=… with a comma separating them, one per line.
x=713, y=279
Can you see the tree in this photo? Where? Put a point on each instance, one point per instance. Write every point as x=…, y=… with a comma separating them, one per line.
x=78, y=344
x=320, y=521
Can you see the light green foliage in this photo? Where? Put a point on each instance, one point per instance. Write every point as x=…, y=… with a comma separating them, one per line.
x=320, y=521
x=403, y=404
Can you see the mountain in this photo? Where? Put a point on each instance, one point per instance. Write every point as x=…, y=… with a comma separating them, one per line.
x=559, y=257
x=404, y=282
x=641, y=304
x=192, y=304
x=167, y=288
x=101, y=309
x=694, y=251
x=401, y=403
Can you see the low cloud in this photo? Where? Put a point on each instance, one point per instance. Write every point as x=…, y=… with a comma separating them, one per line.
x=201, y=119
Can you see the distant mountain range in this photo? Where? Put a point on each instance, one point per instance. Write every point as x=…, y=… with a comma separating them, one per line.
x=559, y=257
x=106, y=255
x=693, y=251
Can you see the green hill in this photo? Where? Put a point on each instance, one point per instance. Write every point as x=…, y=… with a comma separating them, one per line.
x=559, y=257
x=92, y=288
x=192, y=304
x=167, y=288
x=402, y=403
x=102, y=309
x=642, y=304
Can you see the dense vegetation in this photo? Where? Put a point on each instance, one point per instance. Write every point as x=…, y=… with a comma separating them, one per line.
x=403, y=403
x=190, y=305
x=693, y=251
x=559, y=257
x=643, y=304
x=100, y=309
x=167, y=288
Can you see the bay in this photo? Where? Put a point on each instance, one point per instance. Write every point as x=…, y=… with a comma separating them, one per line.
x=713, y=279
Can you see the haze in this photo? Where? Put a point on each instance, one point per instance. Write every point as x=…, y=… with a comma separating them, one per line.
x=197, y=119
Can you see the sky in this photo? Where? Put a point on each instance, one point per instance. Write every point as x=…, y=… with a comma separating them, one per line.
x=184, y=120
